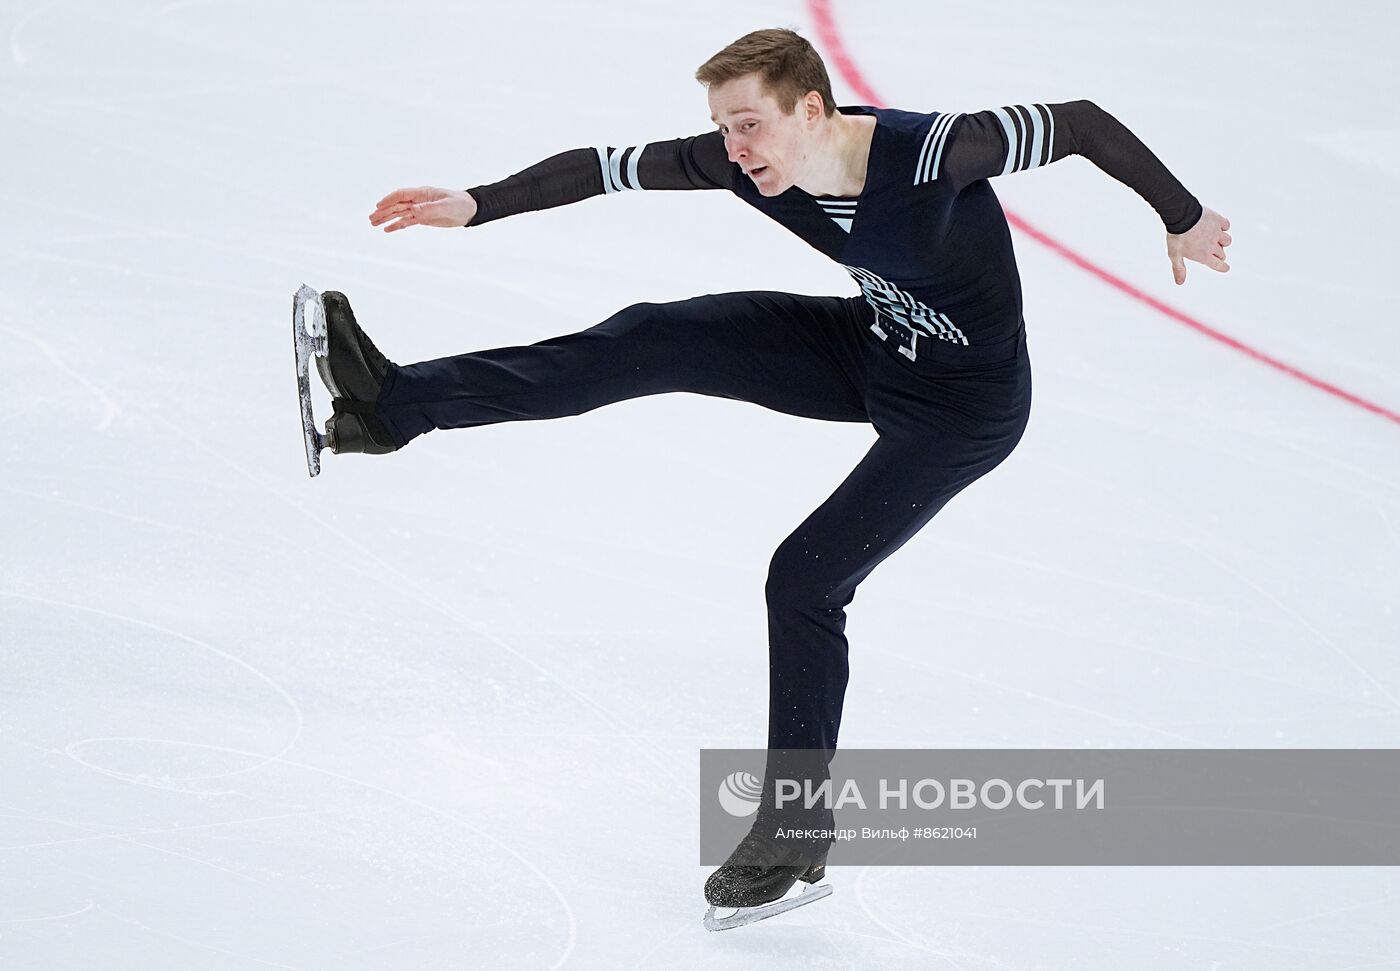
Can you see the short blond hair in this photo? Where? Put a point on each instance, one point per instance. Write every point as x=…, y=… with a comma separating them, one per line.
x=788, y=65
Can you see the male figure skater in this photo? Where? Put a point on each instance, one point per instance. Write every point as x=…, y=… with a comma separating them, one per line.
x=932, y=353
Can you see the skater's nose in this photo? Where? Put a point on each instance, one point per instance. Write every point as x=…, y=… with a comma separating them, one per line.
x=737, y=148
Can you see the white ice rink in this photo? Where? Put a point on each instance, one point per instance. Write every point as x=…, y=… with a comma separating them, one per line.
x=443, y=709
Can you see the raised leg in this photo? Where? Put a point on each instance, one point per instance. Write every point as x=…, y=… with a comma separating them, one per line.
x=795, y=354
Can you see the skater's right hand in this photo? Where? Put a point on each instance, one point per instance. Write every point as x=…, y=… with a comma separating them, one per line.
x=423, y=206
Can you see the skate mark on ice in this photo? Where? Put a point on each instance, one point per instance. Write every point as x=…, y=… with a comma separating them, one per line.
x=859, y=891
x=1195, y=539
x=254, y=251
x=659, y=945
x=1184, y=438
x=947, y=954
x=17, y=55
x=1183, y=529
x=146, y=780
x=1029, y=694
x=234, y=189
x=956, y=606
x=138, y=520
x=1336, y=463
x=307, y=214
x=413, y=592
x=131, y=841
x=1329, y=912
x=113, y=104
x=130, y=271
x=336, y=258
x=25, y=409
x=1032, y=695
x=112, y=236
x=830, y=939
x=979, y=958
x=161, y=831
x=187, y=857
x=1385, y=518
x=109, y=407
x=1302, y=722
x=186, y=4
x=1108, y=583
x=499, y=843
x=1317, y=634
x=32, y=920
x=199, y=945
x=1173, y=936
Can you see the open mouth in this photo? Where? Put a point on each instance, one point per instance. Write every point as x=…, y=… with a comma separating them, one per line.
x=755, y=173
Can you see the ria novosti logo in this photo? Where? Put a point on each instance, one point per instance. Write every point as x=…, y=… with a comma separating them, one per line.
x=739, y=793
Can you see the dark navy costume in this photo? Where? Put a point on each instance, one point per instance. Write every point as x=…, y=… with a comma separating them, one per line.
x=932, y=354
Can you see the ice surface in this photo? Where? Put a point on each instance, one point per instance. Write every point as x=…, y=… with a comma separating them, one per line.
x=442, y=709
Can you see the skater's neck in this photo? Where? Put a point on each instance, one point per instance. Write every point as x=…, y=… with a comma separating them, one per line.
x=840, y=158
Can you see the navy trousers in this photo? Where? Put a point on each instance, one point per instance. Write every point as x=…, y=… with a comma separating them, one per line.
x=943, y=419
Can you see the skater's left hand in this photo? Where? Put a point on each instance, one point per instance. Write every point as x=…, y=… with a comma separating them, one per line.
x=1204, y=242
x=426, y=205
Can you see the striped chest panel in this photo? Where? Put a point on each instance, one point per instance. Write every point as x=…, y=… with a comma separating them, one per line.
x=841, y=211
x=910, y=317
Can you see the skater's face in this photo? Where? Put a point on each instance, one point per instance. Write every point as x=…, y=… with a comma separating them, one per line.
x=771, y=146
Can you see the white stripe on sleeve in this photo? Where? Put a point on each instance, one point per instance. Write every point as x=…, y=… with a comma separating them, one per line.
x=611, y=161
x=603, y=161
x=615, y=167
x=927, y=169
x=942, y=143
x=1013, y=141
x=1037, y=136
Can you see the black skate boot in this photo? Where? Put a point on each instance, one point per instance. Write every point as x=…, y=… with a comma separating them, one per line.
x=353, y=371
x=763, y=868
x=756, y=878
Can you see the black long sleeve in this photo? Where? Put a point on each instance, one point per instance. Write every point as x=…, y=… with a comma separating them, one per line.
x=1019, y=137
x=697, y=162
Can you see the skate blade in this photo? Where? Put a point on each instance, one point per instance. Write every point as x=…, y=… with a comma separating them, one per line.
x=309, y=338
x=748, y=915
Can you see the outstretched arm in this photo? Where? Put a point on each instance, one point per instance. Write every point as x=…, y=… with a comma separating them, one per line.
x=698, y=162
x=1019, y=137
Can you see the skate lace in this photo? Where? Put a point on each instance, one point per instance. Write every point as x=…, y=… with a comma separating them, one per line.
x=372, y=355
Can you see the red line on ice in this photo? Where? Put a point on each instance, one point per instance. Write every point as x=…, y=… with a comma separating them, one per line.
x=830, y=38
